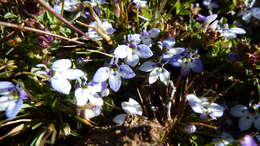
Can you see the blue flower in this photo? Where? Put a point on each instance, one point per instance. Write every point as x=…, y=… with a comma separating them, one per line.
x=189, y=63
x=113, y=74
x=156, y=72
x=230, y=33
x=132, y=53
x=204, y=107
x=11, y=98
x=69, y=5
x=104, y=26
x=60, y=74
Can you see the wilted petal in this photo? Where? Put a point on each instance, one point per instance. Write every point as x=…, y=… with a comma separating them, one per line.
x=148, y=66
x=132, y=59
x=238, y=30
x=115, y=81
x=195, y=103
x=238, y=110
x=154, y=75
x=81, y=95
x=145, y=51
x=154, y=32
x=165, y=76
x=13, y=108
x=216, y=110
x=91, y=113
x=126, y=71
x=61, y=85
x=132, y=107
x=61, y=64
x=121, y=51
x=246, y=122
x=73, y=74
x=119, y=119
x=102, y=74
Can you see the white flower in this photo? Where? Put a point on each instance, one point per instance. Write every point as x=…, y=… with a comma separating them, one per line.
x=61, y=72
x=203, y=107
x=247, y=119
x=156, y=72
x=230, y=33
x=104, y=26
x=133, y=53
x=131, y=107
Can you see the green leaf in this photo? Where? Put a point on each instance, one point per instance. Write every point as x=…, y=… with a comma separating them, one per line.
x=10, y=16
x=177, y=7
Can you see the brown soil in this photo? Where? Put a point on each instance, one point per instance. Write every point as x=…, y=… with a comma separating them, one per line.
x=135, y=131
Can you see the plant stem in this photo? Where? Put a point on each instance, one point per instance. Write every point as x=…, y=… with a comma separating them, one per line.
x=51, y=10
x=20, y=27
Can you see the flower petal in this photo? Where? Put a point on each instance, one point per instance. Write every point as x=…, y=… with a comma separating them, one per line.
x=4, y=101
x=196, y=65
x=245, y=122
x=96, y=100
x=61, y=85
x=91, y=113
x=126, y=71
x=132, y=59
x=61, y=65
x=101, y=75
x=154, y=75
x=165, y=76
x=148, y=66
x=121, y=51
x=145, y=51
x=81, y=96
x=195, y=103
x=13, y=108
x=6, y=87
x=168, y=43
x=115, y=81
x=216, y=110
x=238, y=30
x=210, y=19
x=238, y=110
x=132, y=107
x=73, y=74
x=119, y=119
